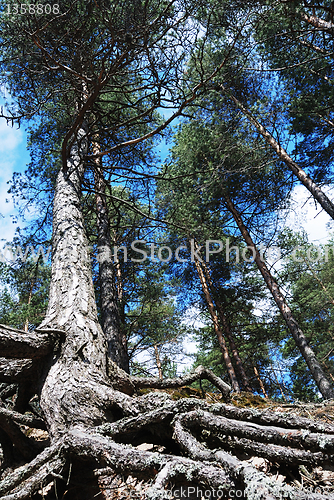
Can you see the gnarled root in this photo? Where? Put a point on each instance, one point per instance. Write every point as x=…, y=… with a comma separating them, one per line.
x=195, y=436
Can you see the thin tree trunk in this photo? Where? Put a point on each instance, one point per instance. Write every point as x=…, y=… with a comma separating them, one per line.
x=158, y=361
x=219, y=333
x=228, y=332
x=26, y=324
x=110, y=320
x=278, y=383
x=121, y=308
x=304, y=178
x=308, y=354
x=257, y=375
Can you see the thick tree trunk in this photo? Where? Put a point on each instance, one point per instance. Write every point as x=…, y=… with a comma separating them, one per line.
x=216, y=325
x=308, y=354
x=313, y=188
x=76, y=388
x=110, y=320
x=228, y=332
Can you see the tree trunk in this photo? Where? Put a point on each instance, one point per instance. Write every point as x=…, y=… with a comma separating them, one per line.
x=158, y=361
x=110, y=320
x=308, y=354
x=76, y=388
x=257, y=375
x=313, y=188
x=228, y=332
x=217, y=328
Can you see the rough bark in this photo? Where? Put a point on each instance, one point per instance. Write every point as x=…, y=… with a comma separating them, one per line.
x=16, y=370
x=92, y=423
x=20, y=344
x=308, y=354
x=199, y=374
x=110, y=320
x=158, y=361
x=76, y=388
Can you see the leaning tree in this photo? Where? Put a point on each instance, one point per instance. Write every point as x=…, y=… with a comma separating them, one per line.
x=74, y=64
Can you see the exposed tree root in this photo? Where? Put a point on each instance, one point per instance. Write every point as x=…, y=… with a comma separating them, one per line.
x=199, y=374
x=20, y=418
x=256, y=484
x=195, y=436
x=16, y=370
x=19, y=344
x=29, y=477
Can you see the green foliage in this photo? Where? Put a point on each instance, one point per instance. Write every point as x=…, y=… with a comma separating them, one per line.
x=24, y=295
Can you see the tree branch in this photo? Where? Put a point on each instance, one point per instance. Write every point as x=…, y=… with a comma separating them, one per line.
x=199, y=374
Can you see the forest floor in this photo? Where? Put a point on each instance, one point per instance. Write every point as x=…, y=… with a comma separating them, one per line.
x=314, y=479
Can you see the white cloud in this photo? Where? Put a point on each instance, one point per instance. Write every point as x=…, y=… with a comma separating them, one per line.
x=10, y=137
x=13, y=156
x=308, y=215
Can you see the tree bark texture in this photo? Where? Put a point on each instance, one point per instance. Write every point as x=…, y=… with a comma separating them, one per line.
x=306, y=351
x=110, y=318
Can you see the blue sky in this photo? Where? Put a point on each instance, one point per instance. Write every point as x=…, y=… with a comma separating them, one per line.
x=13, y=158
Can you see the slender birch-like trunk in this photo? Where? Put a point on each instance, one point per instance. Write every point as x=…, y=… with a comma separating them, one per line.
x=308, y=354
